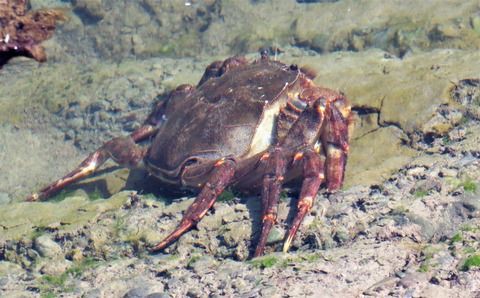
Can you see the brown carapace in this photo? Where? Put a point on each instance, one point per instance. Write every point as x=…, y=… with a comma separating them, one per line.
x=247, y=125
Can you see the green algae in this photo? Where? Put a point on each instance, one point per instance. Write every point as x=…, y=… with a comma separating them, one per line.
x=24, y=219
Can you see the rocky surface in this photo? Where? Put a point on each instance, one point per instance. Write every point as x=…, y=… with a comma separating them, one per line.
x=406, y=222
x=414, y=234
x=172, y=28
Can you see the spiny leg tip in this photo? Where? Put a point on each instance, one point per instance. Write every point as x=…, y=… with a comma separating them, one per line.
x=287, y=244
x=33, y=197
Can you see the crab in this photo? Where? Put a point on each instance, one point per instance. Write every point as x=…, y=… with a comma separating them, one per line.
x=245, y=125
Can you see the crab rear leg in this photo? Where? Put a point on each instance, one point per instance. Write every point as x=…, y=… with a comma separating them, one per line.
x=313, y=176
x=335, y=137
x=301, y=135
x=122, y=150
x=272, y=185
x=220, y=178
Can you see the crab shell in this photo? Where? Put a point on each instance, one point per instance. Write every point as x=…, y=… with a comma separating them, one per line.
x=240, y=114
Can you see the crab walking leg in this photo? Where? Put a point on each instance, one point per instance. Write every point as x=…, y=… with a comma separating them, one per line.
x=272, y=183
x=122, y=150
x=304, y=131
x=313, y=176
x=335, y=137
x=220, y=178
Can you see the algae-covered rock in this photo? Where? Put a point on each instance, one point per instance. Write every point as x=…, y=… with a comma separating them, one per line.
x=22, y=219
x=377, y=155
x=116, y=30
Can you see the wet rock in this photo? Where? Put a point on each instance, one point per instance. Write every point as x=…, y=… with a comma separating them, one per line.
x=467, y=93
x=234, y=233
x=276, y=235
x=9, y=268
x=47, y=247
x=139, y=292
x=412, y=279
x=55, y=266
x=372, y=159
x=202, y=265
x=443, y=121
x=21, y=219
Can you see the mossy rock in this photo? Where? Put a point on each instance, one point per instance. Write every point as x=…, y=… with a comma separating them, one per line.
x=20, y=220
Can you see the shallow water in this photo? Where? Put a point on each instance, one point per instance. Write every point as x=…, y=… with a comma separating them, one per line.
x=398, y=62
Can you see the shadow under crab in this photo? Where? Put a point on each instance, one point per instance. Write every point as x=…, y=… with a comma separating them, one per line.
x=246, y=125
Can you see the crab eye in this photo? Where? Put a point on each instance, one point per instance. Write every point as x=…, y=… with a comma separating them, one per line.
x=189, y=162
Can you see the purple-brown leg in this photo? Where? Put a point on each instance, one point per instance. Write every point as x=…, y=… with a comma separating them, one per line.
x=313, y=168
x=272, y=185
x=122, y=150
x=335, y=139
x=303, y=132
x=220, y=178
x=336, y=113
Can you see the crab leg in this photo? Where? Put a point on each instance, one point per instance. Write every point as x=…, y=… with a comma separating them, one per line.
x=304, y=131
x=313, y=168
x=221, y=176
x=334, y=108
x=122, y=150
x=272, y=183
x=335, y=137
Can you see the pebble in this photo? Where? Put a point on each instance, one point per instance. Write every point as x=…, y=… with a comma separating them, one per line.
x=446, y=172
x=55, y=266
x=47, y=247
x=139, y=292
x=276, y=235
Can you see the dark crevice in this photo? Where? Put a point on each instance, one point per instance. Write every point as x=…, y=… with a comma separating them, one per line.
x=364, y=110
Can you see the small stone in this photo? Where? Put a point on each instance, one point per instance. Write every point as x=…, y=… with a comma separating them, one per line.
x=269, y=292
x=449, y=172
x=236, y=231
x=412, y=279
x=417, y=171
x=70, y=134
x=55, y=267
x=47, y=247
x=276, y=235
x=194, y=293
x=139, y=292
x=75, y=124
x=341, y=236
x=202, y=265
x=76, y=255
x=158, y=295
